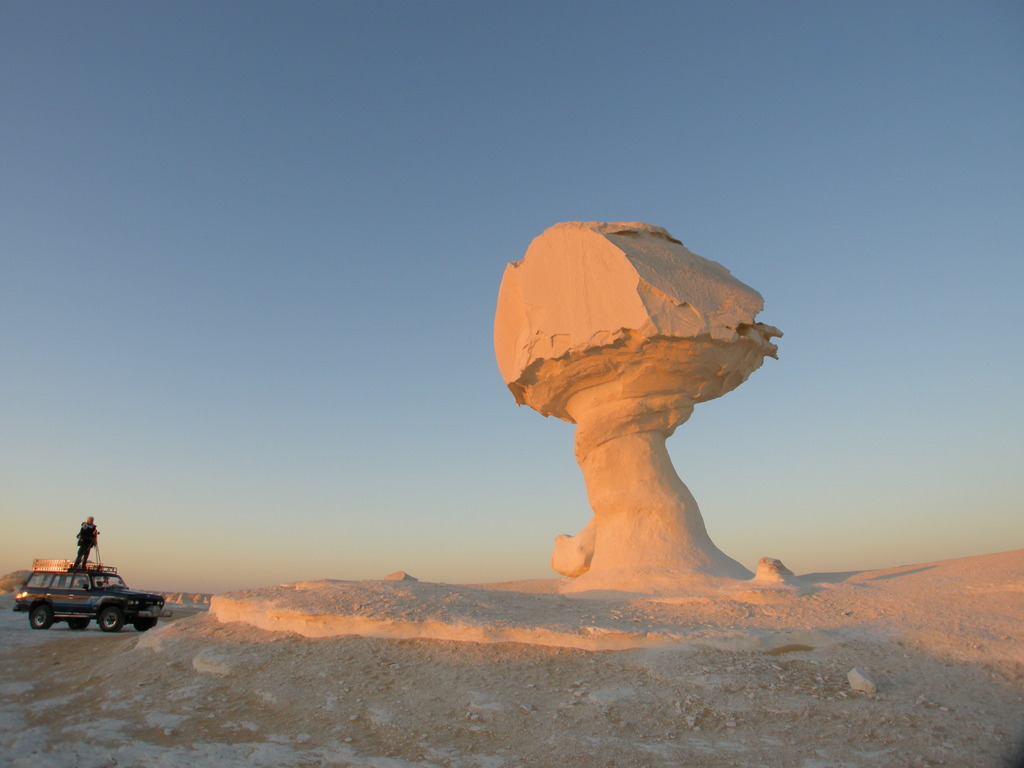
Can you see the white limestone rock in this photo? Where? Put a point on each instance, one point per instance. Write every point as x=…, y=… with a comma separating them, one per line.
x=772, y=571
x=619, y=329
x=860, y=681
x=583, y=285
x=572, y=554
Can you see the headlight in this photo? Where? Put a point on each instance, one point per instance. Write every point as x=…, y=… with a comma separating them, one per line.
x=21, y=596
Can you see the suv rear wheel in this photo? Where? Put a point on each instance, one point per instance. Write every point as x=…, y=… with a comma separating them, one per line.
x=41, y=616
x=111, y=619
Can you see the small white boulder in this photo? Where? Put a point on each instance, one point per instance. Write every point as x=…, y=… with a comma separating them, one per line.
x=860, y=681
x=770, y=569
x=573, y=554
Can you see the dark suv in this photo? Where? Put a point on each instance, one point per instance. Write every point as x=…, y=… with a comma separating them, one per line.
x=56, y=591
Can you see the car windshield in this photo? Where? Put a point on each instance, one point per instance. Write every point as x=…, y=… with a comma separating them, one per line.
x=108, y=581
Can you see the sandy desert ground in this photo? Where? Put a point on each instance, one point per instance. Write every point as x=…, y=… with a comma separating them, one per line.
x=749, y=678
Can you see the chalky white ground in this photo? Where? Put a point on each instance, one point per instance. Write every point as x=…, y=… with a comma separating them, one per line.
x=518, y=675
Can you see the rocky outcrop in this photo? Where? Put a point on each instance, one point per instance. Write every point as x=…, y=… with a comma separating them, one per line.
x=619, y=329
x=9, y=582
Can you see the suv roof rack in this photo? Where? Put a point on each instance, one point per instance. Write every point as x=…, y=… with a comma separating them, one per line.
x=62, y=566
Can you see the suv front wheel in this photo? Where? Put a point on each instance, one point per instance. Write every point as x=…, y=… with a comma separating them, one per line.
x=41, y=616
x=111, y=619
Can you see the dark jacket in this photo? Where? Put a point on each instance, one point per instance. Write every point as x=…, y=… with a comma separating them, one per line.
x=87, y=536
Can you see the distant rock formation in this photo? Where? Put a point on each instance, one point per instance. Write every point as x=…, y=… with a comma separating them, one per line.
x=9, y=582
x=771, y=570
x=198, y=599
x=400, y=576
x=773, y=575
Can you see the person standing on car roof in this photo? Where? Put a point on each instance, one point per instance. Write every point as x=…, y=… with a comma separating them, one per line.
x=86, y=541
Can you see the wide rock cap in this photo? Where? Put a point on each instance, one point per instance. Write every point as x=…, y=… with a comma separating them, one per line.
x=586, y=285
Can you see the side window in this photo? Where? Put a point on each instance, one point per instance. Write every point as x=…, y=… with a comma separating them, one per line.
x=80, y=581
x=63, y=581
x=40, y=580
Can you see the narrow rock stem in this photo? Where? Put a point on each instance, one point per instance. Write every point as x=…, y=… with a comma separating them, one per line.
x=649, y=533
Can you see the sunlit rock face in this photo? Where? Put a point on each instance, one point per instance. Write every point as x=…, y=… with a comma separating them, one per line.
x=619, y=329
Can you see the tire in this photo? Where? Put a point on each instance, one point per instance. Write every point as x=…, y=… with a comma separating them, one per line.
x=41, y=616
x=145, y=623
x=78, y=623
x=111, y=619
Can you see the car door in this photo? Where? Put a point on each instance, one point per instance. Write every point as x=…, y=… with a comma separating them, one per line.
x=59, y=593
x=78, y=593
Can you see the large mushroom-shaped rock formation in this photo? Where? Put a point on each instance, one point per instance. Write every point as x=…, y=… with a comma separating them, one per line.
x=619, y=329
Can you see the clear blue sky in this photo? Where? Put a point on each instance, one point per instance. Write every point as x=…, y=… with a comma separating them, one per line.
x=250, y=252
